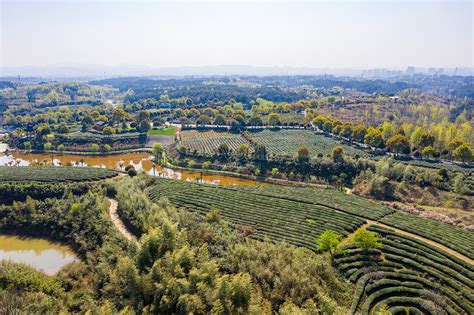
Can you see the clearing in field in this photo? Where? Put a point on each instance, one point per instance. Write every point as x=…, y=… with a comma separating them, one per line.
x=168, y=131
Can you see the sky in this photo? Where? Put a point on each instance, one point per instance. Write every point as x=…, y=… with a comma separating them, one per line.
x=318, y=34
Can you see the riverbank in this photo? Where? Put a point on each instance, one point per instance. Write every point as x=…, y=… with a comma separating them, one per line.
x=83, y=153
x=257, y=179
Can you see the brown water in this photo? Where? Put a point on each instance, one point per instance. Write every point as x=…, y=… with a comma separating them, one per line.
x=141, y=161
x=39, y=253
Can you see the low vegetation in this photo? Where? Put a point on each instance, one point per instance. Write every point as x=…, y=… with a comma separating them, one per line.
x=208, y=142
x=406, y=274
x=276, y=217
x=54, y=174
x=184, y=263
x=453, y=237
x=287, y=142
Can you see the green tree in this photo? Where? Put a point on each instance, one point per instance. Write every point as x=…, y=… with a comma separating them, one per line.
x=319, y=121
x=428, y=151
x=144, y=126
x=273, y=119
x=328, y=241
x=374, y=138
x=60, y=148
x=331, y=99
x=460, y=185
x=223, y=151
x=27, y=145
x=63, y=128
x=420, y=139
x=243, y=152
x=118, y=115
x=203, y=120
x=191, y=164
x=380, y=187
x=260, y=153
x=143, y=115
x=463, y=153
x=95, y=147
x=303, y=153
x=399, y=144
x=47, y=146
x=255, y=120
x=219, y=120
x=358, y=133
x=108, y=130
x=157, y=149
x=454, y=144
x=328, y=125
x=87, y=120
x=338, y=154
x=366, y=239
x=346, y=131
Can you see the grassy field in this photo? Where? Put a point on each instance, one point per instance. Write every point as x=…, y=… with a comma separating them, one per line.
x=276, y=217
x=407, y=275
x=169, y=131
x=54, y=173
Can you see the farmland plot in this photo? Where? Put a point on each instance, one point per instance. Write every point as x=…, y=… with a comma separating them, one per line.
x=407, y=274
x=280, y=219
x=207, y=142
x=287, y=142
x=54, y=173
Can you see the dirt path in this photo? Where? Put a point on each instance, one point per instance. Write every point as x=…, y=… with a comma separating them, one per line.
x=426, y=240
x=118, y=222
x=418, y=237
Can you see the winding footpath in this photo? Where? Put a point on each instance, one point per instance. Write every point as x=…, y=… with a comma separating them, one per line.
x=423, y=239
x=118, y=222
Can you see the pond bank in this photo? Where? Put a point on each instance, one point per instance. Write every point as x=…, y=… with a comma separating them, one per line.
x=38, y=253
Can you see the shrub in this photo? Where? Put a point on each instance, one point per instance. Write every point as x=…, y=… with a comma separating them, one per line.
x=132, y=172
x=366, y=239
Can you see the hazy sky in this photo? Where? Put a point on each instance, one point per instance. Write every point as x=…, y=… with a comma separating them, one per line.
x=262, y=33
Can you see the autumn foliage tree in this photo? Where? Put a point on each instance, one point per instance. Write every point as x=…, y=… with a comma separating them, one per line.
x=399, y=144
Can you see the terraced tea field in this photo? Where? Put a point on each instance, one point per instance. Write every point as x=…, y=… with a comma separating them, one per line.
x=325, y=197
x=54, y=173
x=279, y=218
x=277, y=142
x=407, y=275
x=207, y=142
x=453, y=237
x=287, y=142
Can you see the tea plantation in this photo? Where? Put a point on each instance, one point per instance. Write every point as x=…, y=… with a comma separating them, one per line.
x=54, y=173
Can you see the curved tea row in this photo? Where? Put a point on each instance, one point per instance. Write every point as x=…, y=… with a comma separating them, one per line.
x=278, y=218
x=407, y=274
